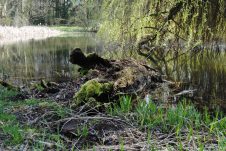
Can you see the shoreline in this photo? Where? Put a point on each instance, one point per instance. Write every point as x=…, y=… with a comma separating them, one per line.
x=10, y=34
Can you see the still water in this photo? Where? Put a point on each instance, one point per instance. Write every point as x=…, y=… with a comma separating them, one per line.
x=206, y=74
x=22, y=62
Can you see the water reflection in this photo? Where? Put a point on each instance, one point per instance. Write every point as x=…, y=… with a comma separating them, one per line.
x=37, y=59
x=205, y=72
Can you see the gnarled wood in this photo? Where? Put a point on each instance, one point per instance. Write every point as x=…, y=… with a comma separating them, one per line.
x=126, y=76
x=89, y=61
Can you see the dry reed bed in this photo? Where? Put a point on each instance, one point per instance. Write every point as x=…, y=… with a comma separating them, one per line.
x=16, y=34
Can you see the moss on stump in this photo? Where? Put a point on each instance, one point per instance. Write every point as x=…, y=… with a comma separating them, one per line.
x=93, y=89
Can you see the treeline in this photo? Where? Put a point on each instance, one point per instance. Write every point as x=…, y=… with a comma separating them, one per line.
x=49, y=12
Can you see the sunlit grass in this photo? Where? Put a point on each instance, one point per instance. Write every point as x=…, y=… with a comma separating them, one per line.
x=70, y=28
x=177, y=120
x=182, y=116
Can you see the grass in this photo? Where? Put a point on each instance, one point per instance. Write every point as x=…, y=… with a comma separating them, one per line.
x=16, y=133
x=124, y=106
x=71, y=29
x=4, y=93
x=9, y=125
x=181, y=119
x=178, y=127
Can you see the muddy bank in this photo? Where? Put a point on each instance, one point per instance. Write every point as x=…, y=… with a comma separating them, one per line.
x=15, y=34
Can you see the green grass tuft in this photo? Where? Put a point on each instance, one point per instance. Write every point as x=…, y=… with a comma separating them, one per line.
x=70, y=28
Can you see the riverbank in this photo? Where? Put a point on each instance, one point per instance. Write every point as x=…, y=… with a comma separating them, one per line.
x=16, y=34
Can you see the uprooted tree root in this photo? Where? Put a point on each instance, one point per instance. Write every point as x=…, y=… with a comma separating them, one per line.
x=105, y=79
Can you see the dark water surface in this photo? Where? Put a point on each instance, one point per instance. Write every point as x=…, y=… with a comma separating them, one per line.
x=23, y=62
x=206, y=74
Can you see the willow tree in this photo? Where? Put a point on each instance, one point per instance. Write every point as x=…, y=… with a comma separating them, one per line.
x=199, y=19
x=162, y=30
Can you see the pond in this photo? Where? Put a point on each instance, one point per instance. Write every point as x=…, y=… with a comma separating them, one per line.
x=22, y=62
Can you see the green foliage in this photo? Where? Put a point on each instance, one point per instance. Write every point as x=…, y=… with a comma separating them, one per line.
x=162, y=31
x=70, y=28
x=48, y=141
x=5, y=94
x=181, y=117
x=55, y=107
x=14, y=132
x=7, y=117
x=83, y=131
x=219, y=124
x=126, y=21
x=31, y=102
x=125, y=106
x=148, y=114
x=83, y=71
x=39, y=87
x=184, y=115
x=222, y=142
x=87, y=13
x=8, y=122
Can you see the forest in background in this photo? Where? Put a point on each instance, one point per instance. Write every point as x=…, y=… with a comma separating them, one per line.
x=49, y=12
